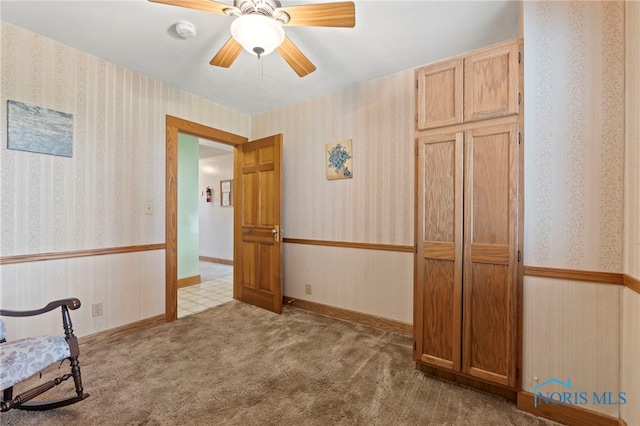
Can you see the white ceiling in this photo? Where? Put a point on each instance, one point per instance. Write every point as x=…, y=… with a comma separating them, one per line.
x=209, y=149
x=389, y=36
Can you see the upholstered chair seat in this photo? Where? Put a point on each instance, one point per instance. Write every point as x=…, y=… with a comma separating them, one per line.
x=23, y=358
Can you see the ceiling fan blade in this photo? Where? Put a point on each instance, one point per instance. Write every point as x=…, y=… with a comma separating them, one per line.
x=295, y=58
x=227, y=54
x=342, y=14
x=206, y=5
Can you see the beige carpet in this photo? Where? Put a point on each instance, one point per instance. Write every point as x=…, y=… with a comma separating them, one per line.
x=237, y=364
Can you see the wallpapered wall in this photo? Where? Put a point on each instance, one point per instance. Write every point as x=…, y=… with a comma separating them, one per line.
x=630, y=356
x=630, y=373
x=632, y=145
x=96, y=198
x=375, y=206
x=577, y=202
x=574, y=128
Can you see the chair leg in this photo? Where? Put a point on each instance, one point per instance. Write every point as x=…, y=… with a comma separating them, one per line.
x=7, y=394
x=77, y=376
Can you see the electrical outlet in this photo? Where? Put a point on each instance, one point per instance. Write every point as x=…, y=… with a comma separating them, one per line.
x=307, y=288
x=96, y=309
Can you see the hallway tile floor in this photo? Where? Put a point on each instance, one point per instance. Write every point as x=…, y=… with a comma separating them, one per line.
x=215, y=289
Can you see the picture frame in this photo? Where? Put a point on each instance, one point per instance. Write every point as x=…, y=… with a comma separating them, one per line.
x=339, y=160
x=36, y=129
x=226, y=193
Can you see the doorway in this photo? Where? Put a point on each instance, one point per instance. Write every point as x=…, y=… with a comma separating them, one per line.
x=174, y=126
x=205, y=238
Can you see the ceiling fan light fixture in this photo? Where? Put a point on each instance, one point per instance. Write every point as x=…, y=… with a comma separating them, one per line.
x=258, y=34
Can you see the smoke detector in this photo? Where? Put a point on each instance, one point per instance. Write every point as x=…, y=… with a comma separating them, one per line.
x=185, y=29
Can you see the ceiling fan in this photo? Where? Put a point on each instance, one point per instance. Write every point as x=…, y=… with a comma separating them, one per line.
x=258, y=27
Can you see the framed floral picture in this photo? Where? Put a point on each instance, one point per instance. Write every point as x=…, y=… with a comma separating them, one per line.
x=339, y=160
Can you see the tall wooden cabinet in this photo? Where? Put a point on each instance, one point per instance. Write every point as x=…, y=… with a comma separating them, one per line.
x=469, y=216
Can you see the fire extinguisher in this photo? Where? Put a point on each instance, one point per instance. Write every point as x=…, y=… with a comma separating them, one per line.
x=208, y=194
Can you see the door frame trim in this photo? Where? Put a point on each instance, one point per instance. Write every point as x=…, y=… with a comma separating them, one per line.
x=174, y=125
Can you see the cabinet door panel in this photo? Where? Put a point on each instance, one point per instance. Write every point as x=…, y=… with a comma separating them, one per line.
x=439, y=100
x=438, y=292
x=440, y=334
x=491, y=82
x=490, y=249
x=489, y=322
x=490, y=188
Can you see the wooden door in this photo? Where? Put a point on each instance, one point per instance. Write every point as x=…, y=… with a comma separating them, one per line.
x=439, y=94
x=257, y=246
x=492, y=82
x=438, y=292
x=491, y=235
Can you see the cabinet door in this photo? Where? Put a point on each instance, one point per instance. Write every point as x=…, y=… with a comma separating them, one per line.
x=491, y=283
x=439, y=221
x=439, y=96
x=491, y=82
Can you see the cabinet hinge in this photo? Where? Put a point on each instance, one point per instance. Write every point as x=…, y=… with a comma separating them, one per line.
x=416, y=117
x=519, y=98
x=416, y=151
x=416, y=84
x=518, y=255
x=415, y=248
x=519, y=137
x=517, y=373
x=415, y=345
x=519, y=57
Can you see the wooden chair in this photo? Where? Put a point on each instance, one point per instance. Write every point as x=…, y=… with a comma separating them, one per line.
x=22, y=358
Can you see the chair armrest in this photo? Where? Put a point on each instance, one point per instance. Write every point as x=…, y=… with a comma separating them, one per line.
x=69, y=303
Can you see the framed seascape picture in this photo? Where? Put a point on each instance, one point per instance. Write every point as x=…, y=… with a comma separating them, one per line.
x=36, y=129
x=339, y=160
